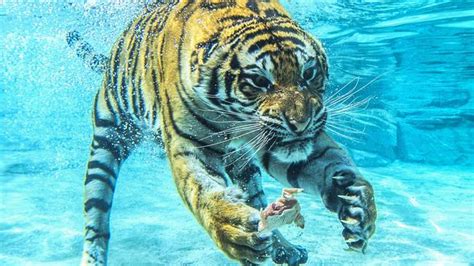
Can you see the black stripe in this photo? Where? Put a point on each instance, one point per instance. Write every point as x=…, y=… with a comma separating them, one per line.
x=229, y=80
x=99, y=204
x=147, y=50
x=102, y=166
x=271, y=13
x=236, y=19
x=182, y=133
x=265, y=53
x=296, y=140
x=185, y=188
x=155, y=114
x=271, y=30
x=184, y=12
x=293, y=173
x=184, y=154
x=209, y=46
x=131, y=77
x=141, y=98
x=90, y=228
x=103, y=179
x=110, y=90
x=134, y=99
x=234, y=63
x=221, y=5
x=73, y=37
x=106, y=144
x=253, y=6
x=203, y=121
x=115, y=73
x=198, y=196
x=278, y=41
x=99, y=63
x=258, y=45
x=161, y=57
x=266, y=160
x=102, y=122
x=293, y=40
x=315, y=156
x=124, y=92
x=105, y=236
x=234, y=41
x=214, y=87
x=84, y=50
x=211, y=170
x=156, y=86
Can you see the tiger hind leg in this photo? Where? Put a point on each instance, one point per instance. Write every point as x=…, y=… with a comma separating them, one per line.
x=112, y=142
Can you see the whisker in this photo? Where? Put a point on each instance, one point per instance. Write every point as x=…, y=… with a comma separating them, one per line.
x=342, y=135
x=227, y=140
x=236, y=129
x=350, y=107
x=334, y=94
x=263, y=143
x=346, y=129
x=250, y=143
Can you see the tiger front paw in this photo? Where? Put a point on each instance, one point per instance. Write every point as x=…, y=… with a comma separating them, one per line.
x=233, y=226
x=357, y=211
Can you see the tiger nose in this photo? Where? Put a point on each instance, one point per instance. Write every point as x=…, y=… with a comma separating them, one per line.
x=297, y=126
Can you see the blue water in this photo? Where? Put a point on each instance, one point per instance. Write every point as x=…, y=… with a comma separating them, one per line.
x=415, y=141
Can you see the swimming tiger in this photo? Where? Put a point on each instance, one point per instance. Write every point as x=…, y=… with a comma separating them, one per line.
x=233, y=89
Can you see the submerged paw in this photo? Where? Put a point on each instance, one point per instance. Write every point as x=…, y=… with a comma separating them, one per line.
x=357, y=211
x=290, y=254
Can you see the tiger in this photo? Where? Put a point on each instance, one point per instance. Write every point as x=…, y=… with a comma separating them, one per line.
x=233, y=90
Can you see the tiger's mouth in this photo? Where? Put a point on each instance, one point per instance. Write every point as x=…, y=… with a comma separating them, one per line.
x=290, y=139
x=291, y=148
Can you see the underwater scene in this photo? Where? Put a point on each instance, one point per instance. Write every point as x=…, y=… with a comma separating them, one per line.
x=401, y=85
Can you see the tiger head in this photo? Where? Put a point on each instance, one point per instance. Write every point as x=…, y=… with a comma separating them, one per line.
x=277, y=79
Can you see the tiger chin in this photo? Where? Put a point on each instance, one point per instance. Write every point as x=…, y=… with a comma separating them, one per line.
x=232, y=90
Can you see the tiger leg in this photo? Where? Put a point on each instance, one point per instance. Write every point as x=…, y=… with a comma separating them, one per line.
x=330, y=173
x=112, y=142
x=249, y=179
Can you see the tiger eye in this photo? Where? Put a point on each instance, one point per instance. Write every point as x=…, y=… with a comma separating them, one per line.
x=262, y=82
x=309, y=74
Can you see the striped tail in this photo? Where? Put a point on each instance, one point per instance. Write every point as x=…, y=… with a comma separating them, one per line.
x=85, y=51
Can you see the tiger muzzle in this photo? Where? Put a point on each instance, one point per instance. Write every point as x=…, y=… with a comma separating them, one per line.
x=298, y=113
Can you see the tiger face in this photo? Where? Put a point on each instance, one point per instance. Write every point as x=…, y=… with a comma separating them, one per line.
x=281, y=86
x=287, y=87
x=272, y=73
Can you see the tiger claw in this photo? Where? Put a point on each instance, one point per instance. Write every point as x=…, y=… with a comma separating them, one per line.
x=350, y=221
x=349, y=199
x=356, y=188
x=352, y=239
